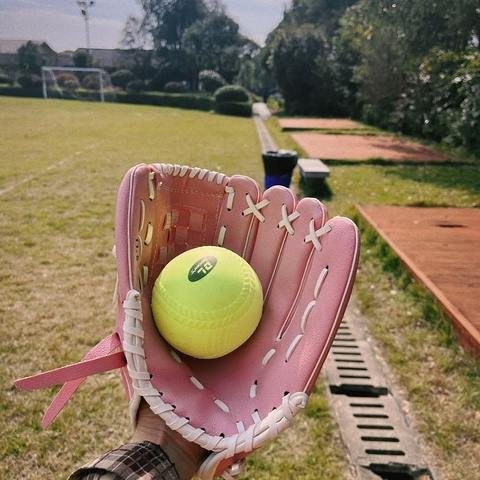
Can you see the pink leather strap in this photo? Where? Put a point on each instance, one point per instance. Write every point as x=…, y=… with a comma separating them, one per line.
x=98, y=360
x=76, y=371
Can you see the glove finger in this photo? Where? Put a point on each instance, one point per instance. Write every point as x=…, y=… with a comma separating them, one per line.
x=278, y=204
x=236, y=231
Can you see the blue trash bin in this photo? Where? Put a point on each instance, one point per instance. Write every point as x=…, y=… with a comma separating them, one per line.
x=278, y=166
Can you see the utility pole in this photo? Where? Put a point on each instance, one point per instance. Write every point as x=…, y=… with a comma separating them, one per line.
x=84, y=6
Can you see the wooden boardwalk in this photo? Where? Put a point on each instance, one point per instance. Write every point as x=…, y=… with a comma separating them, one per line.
x=441, y=247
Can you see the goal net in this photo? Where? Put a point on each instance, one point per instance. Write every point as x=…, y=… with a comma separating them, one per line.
x=92, y=84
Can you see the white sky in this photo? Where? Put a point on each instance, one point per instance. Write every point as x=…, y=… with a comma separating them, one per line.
x=60, y=24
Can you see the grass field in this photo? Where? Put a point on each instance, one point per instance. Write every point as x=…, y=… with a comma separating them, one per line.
x=60, y=167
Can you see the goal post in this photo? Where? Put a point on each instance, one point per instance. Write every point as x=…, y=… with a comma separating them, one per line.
x=77, y=83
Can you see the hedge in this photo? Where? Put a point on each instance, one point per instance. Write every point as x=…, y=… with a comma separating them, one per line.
x=179, y=100
x=231, y=93
x=237, y=109
x=185, y=100
x=34, y=92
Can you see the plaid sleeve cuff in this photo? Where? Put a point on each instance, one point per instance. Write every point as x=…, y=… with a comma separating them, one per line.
x=133, y=461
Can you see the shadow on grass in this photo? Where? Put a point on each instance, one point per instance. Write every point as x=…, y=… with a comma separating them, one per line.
x=316, y=188
x=465, y=177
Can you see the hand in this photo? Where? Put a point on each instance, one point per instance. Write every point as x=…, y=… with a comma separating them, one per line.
x=186, y=456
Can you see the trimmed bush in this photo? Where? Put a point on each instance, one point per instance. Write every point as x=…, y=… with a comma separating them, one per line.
x=30, y=92
x=189, y=101
x=135, y=86
x=231, y=93
x=237, y=109
x=233, y=100
x=175, y=87
x=211, y=81
x=67, y=80
x=30, y=80
x=90, y=82
x=4, y=80
x=121, y=78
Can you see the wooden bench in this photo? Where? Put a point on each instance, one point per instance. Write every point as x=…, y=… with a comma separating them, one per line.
x=312, y=169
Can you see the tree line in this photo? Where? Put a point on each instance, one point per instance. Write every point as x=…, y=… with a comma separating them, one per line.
x=411, y=66
x=407, y=65
x=177, y=40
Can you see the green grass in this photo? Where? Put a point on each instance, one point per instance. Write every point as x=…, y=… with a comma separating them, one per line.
x=61, y=165
x=440, y=380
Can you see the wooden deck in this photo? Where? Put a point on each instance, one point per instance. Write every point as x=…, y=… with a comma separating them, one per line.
x=441, y=247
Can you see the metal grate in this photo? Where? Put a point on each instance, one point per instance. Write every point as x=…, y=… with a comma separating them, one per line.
x=374, y=429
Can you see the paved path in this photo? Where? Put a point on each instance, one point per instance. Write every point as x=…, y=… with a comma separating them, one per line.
x=261, y=110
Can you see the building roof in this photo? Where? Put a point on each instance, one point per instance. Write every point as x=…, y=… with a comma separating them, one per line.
x=9, y=45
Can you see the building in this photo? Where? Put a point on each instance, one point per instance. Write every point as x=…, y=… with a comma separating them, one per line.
x=108, y=59
x=9, y=54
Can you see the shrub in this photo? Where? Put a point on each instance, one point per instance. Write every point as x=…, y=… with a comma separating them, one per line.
x=68, y=80
x=90, y=82
x=211, y=81
x=442, y=100
x=175, y=87
x=191, y=101
x=135, y=86
x=30, y=80
x=237, y=109
x=231, y=93
x=33, y=92
x=233, y=100
x=4, y=79
x=466, y=124
x=121, y=78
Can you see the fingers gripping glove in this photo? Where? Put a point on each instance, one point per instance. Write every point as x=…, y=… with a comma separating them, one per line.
x=306, y=263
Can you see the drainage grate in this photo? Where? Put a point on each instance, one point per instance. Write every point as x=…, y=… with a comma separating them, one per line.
x=374, y=429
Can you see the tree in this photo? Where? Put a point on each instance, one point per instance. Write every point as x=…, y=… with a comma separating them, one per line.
x=188, y=36
x=319, y=73
x=137, y=41
x=82, y=59
x=167, y=20
x=162, y=26
x=407, y=59
x=214, y=43
x=302, y=64
x=29, y=58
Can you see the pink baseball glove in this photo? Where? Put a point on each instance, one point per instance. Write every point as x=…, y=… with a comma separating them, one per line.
x=306, y=263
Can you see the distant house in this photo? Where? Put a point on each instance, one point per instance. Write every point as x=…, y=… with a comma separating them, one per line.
x=109, y=59
x=65, y=59
x=9, y=54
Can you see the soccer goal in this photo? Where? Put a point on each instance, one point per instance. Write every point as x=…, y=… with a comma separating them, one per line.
x=92, y=84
